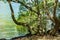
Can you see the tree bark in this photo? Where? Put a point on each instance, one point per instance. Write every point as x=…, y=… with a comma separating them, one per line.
x=56, y=27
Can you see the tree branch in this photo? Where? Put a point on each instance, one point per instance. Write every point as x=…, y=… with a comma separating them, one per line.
x=15, y=21
x=19, y=23
x=54, y=11
x=55, y=7
x=47, y=11
x=30, y=8
x=12, y=15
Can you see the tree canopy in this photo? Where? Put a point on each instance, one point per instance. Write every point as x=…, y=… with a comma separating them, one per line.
x=34, y=15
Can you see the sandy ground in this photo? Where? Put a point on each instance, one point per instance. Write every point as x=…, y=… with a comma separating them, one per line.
x=40, y=38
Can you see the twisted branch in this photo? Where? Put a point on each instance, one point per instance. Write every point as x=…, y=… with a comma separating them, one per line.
x=16, y=22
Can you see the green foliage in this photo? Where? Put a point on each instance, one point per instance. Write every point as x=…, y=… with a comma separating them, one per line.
x=22, y=30
x=26, y=17
x=31, y=18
